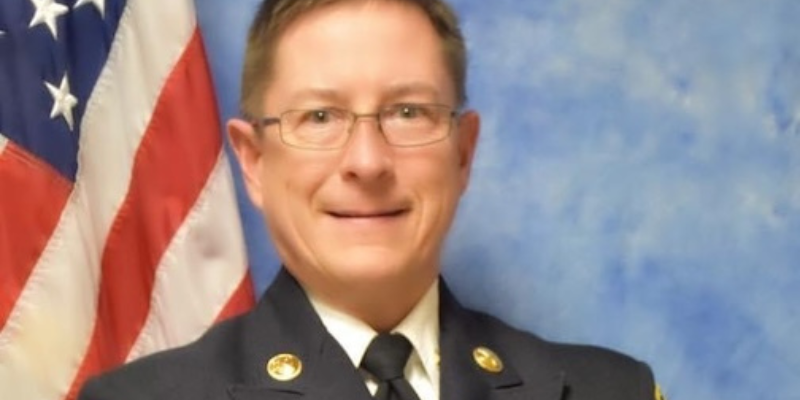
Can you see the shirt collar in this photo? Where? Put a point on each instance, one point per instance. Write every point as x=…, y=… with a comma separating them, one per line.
x=420, y=326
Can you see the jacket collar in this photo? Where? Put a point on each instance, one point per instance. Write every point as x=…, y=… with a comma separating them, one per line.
x=284, y=322
x=463, y=379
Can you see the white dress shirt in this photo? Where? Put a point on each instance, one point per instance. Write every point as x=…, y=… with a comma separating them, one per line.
x=421, y=327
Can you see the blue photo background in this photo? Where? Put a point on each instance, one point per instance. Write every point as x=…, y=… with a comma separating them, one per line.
x=637, y=183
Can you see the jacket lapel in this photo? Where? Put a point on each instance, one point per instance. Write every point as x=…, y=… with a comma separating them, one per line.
x=284, y=322
x=461, y=376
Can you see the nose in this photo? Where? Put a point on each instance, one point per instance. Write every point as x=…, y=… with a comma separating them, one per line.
x=367, y=157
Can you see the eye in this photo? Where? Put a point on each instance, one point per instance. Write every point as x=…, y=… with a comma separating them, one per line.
x=409, y=111
x=313, y=120
x=318, y=116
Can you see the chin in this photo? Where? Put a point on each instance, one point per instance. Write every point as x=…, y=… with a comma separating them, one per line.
x=366, y=265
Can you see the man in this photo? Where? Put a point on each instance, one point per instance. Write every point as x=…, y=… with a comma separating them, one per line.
x=356, y=149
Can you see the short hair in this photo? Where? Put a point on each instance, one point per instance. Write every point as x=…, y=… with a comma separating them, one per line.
x=274, y=16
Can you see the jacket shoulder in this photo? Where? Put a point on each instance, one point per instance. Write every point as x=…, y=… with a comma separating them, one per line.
x=181, y=372
x=589, y=372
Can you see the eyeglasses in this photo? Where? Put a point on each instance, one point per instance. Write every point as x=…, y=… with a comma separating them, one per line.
x=328, y=128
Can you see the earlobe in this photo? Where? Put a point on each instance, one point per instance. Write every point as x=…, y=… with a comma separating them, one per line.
x=248, y=152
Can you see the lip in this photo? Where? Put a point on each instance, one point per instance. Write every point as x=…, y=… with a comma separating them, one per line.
x=367, y=215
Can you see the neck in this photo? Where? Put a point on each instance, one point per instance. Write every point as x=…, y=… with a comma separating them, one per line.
x=381, y=306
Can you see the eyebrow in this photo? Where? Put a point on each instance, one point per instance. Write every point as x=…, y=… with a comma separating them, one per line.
x=316, y=94
x=392, y=93
x=413, y=89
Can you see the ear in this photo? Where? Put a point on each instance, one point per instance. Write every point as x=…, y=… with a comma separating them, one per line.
x=247, y=147
x=469, y=125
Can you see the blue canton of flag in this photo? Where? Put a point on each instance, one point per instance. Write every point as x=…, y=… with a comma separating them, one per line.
x=51, y=55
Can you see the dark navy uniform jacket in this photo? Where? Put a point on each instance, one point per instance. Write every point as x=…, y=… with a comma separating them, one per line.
x=229, y=361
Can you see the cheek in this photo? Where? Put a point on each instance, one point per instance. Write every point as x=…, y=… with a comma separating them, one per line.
x=291, y=181
x=436, y=181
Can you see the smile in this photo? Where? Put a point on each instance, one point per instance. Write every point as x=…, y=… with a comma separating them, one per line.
x=368, y=215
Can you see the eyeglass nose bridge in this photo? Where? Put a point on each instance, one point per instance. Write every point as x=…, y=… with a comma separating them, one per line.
x=354, y=117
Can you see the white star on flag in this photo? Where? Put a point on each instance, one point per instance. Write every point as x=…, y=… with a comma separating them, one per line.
x=63, y=101
x=46, y=13
x=99, y=4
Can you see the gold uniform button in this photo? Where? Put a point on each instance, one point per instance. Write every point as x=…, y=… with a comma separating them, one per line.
x=487, y=360
x=284, y=367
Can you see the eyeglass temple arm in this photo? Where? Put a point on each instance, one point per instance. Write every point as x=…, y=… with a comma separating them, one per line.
x=259, y=123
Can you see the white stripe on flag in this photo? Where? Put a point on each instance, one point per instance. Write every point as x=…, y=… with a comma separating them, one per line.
x=3, y=142
x=47, y=333
x=203, y=265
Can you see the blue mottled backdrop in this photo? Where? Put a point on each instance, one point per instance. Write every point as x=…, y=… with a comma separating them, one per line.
x=637, y=183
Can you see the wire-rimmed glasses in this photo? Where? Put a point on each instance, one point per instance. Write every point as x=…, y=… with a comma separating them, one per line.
x=327, y=128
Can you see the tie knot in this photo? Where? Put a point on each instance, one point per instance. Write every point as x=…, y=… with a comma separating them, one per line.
x=386, y=356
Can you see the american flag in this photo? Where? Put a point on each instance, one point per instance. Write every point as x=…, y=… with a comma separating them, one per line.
x=119, y=233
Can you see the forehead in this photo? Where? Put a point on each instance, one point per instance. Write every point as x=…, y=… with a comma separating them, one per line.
x=351, y=46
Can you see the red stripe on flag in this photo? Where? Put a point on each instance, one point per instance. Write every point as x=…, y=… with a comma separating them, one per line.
x=32, y=196
x=172, y=164
x=241, y=300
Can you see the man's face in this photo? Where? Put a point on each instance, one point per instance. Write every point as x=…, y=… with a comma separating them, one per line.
x=369, y=213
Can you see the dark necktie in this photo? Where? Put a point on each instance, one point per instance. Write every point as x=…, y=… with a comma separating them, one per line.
x=386, y=359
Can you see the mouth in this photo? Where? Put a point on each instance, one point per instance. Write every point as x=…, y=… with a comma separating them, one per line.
x=365, y=215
